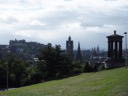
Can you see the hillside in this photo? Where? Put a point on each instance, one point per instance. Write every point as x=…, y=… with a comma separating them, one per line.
x=104, y=83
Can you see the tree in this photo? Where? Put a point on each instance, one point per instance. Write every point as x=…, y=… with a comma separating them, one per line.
x=57, y=63
x=88, y=68
x=3, y=74
x=41, y=69
x=77, y=67
x=16, y=69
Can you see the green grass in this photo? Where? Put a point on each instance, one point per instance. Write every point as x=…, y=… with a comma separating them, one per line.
x=104, y=83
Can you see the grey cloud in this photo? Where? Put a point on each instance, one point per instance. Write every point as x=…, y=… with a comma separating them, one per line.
x=9, y=1
x=9, y=20
x=52, y=21
x=31, y=27
x=68, y=0
x=13, y=1
x=59, y=17
x=90, y=18
x=116, y=17
x=110, y=0
x=5, y=36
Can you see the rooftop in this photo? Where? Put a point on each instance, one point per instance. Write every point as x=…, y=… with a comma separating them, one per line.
x=115, y=35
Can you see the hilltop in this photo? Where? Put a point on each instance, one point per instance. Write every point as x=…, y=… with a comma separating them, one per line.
x=104, y=83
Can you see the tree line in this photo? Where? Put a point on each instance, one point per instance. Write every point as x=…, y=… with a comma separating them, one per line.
x=52, y=64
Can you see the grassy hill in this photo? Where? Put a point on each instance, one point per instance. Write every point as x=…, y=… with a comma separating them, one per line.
x=104, y=83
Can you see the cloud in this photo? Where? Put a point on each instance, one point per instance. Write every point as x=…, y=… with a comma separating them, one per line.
x=53, y=21
x=11, y=20
x=23, y=33
x=37, y=23
x=110, y=0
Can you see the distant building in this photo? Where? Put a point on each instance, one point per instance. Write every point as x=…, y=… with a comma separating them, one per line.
x=95, y=50
x=17, y=46
x=115, y=58
x=69, y=47
x=17, y=42
x=98, y=57
x=21, y=46
x=86, y=54
x=98, y=61
x=25, y=50
x=4, y=49
x=79, y=54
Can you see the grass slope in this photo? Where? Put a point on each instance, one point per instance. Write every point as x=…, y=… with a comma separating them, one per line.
x=105, y=83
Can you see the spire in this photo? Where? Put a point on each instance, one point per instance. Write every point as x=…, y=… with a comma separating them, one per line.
x=78, y=45
x=69, y=38
x=94, y=49
x=98, y=48
x=79, y=55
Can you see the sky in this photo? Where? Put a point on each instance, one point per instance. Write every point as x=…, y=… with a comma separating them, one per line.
x=53, y=21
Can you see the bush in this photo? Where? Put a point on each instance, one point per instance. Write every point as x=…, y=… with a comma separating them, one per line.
x=88, y=68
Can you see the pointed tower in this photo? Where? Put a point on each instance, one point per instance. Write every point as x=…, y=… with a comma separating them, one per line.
x=69, y=47
x=79, y=54
x=94, y=49
x=94, y=52
x=98, y=49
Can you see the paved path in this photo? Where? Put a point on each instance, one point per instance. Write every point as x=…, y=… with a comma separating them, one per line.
x=4, y=89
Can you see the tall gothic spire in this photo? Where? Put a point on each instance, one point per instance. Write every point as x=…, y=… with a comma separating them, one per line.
x=79, y=46
x=79, y=55
x=98, y=48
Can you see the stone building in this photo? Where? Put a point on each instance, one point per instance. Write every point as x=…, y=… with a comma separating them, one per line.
x=115, y=58
x=69, y=47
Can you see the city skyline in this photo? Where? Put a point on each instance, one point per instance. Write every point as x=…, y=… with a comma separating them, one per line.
x=53, y=21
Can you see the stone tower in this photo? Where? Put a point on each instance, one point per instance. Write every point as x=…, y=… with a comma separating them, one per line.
x=115, y=58
x=69, y=47
x=79, y=54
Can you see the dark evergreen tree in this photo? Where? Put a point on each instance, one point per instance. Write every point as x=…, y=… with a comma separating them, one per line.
x=57, y=64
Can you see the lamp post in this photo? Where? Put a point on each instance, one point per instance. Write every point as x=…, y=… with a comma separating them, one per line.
x=125, y=48
x=7, y=75
x=8, y=53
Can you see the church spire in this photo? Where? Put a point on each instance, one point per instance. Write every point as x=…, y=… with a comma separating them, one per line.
x=79, y=55
x=98, y=48
x=79, y=46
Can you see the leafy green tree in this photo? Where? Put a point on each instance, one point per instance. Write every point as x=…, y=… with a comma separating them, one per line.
x=65, y=66
x=41, y=69
x=16, y=69
x=57, y=63
x=88, y=68
x=77, y=67
x=48, y=54
x=29, y=74
x=3, y=72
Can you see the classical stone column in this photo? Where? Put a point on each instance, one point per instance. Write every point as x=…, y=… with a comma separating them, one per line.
x=120, y=49
x=115, y=49
x=111, y=49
